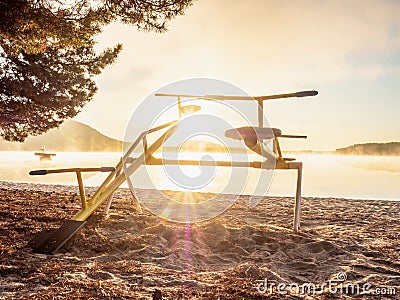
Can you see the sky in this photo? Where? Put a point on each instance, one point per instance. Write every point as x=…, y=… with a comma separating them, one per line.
x=347, y=50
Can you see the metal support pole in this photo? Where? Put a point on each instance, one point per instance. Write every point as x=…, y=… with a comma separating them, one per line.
x=81, y=189
x=260, y=113
x=297, y=206
x=145, y=144
x=179, y=107
x=110, y=199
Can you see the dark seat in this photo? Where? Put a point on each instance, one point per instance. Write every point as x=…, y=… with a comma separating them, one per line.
x=253, y=133
x=253, y=136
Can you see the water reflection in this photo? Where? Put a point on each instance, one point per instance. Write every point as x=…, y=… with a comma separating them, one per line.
x=361, y=177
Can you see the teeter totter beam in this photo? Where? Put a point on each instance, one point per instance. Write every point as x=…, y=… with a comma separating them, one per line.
x=51, y=240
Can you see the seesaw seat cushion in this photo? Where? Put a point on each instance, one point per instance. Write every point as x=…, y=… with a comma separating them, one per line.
x=253, y=133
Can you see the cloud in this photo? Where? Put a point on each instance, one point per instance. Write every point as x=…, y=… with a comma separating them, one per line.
x=313, y=40
x=262, y=46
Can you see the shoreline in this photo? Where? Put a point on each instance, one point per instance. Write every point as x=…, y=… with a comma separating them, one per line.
x=68, y=188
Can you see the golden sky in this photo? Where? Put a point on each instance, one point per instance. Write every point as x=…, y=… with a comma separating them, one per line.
x=347, y=50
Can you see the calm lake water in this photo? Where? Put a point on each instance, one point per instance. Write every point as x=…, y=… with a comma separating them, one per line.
x=356, y=177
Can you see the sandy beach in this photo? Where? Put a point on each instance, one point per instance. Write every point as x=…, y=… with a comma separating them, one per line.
x=242, y=254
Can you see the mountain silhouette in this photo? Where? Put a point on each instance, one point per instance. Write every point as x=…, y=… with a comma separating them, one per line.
x=383, y=149
x=70, y=136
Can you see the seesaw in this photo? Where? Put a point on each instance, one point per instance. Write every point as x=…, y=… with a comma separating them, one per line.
x=51, y=240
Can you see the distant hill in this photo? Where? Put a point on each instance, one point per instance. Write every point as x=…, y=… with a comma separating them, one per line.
x=70, y=136
x=384, y=149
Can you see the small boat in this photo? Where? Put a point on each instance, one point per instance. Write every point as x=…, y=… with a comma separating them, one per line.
x=43, y=155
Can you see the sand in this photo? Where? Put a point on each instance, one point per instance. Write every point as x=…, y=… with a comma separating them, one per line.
x=237, y=255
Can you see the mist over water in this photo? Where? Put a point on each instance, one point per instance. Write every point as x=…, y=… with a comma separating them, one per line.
x=325, y=175
x=15, y=166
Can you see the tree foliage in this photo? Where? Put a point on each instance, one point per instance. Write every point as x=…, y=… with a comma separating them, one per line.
x=47, y=56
